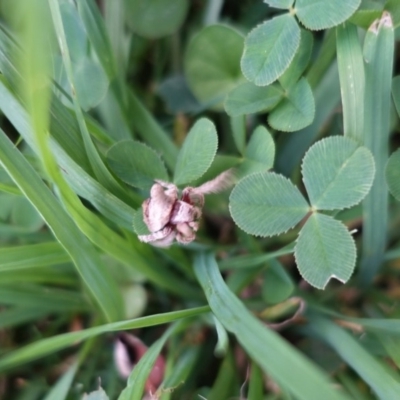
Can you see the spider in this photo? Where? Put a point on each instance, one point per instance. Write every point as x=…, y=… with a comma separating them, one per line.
x=168, y=218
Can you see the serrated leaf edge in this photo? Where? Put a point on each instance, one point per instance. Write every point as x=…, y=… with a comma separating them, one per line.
x=333, y=276
x=158, y=155
x=244, y=51
x=287, y=98
x=257, y=234
x=357, y=148
x=213, y=158
x=328, y=26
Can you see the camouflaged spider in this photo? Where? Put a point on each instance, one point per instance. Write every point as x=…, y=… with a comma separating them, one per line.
x=168, y=218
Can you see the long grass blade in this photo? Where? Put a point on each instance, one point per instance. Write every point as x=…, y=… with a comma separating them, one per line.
x=378, y=55
x=383, y=383
x=87, y=260
x=49, y=345
x=137, y=378
x=32, y=256
x=102, y=173
x=92, y=226
x=352, y=80
x=265, y=347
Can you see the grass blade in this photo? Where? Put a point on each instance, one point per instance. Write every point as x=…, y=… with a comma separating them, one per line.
x=384, y=384
x=137, y=378
x=264, y=346
x=352, y=80
x=60, y=389
x=92, y=226
x=102, y=173
x=151, y=132
x=50, y=345
x=378, y=54
x=87, y=260
x=32, y=256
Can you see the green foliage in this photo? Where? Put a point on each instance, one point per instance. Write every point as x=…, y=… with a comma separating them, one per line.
x=267, y=204
x=327, y=245
x=337, y=173
x=153, y=18
x=264, y=346
x=396, y=93
x=317, y=15
x=212, y=62
x=136, y=164
x=197, y=153
x=269, y=49
x=88, y=74
x=300, y=60
x=98, y=394
x=260, y=152
x=279, y=3
x=393, y=174
x=278, y=285
x=249, y=98
x=297, y=109
x=378, y=55
x=100, y=99
x=367, y=13
x=352, y=78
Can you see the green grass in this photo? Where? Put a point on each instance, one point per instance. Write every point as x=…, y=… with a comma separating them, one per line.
x=234, y=313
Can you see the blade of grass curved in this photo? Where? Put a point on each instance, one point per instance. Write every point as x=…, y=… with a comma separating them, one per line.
x=101, y=172
x=92, y=226
x=352, y=80
x=225, y=384
x=265, y=347
x=134, y=111
x=60, y=389
x=114, y=109
x=32, y=256
x=388, y=325
x=383, y=383
x=35, y=67
x=50, y=345
x=179, y=370
x=378, y=53
x=93, y=272
x=98, y=36
x=151, y=132
x=74, y=168
x=256, y=383
x=137, y=378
